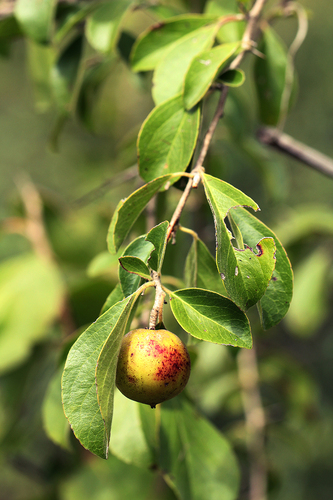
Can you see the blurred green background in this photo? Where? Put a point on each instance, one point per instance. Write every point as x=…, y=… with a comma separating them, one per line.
x=295, y=358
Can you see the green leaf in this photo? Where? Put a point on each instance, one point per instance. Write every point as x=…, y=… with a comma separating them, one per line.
x=203, y=70
x=269, y=74
x=128, y=211
x=64, y=73
x=106, y=365
x=90, y=87
x=236, y=232
x=141, y=249
x=158, y=237
x=72, y=15
x=128, y=441
x=103, y=263
x=210, y=316
x=102, y=28
x=169, y=75
x=201, y=270
x=115, y=296
x=233, y=78
x=54, y=420
x=36, y=18
x=31, y=294
x=309, y=306
x=197, y=461
x=229, y=32
x=78, y=381
x=225, y=196
x=153, y=44
x=40, y=59
x=249, y=274
x=135, y=265
x=167, y=139
x=275, y=303
x=246, y=274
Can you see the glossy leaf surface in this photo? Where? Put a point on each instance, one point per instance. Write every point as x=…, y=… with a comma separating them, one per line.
x=275, y=303
x=158, y=237
x=106, y=365
x=167, y=139
x=169, y=75
x=140, y=249
x=203, y=70
x=246, y=274
x=134, y=265
x=210, y=316
x=154, y=43
x=78, y=381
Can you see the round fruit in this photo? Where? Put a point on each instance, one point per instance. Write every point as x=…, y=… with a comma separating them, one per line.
x=153, y=366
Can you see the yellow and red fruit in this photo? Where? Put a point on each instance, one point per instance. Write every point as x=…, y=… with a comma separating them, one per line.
x=153, y=366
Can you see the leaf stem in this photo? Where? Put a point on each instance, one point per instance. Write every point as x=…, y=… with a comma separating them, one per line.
x=189, y=231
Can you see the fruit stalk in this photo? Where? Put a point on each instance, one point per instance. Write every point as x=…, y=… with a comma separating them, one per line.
x=156, y=315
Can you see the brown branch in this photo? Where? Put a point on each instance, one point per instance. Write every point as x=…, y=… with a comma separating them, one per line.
x=247, y=45
x=255, y=422
x=286, y=144
x=248, y=40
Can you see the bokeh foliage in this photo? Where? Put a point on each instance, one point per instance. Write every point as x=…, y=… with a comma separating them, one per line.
x=295, y=357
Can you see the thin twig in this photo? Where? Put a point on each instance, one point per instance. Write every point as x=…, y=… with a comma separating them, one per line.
x=247, y=45
x=212, y=127
x=249, y=36
x=118, y=179
x=296, y=149
x=255, y=422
